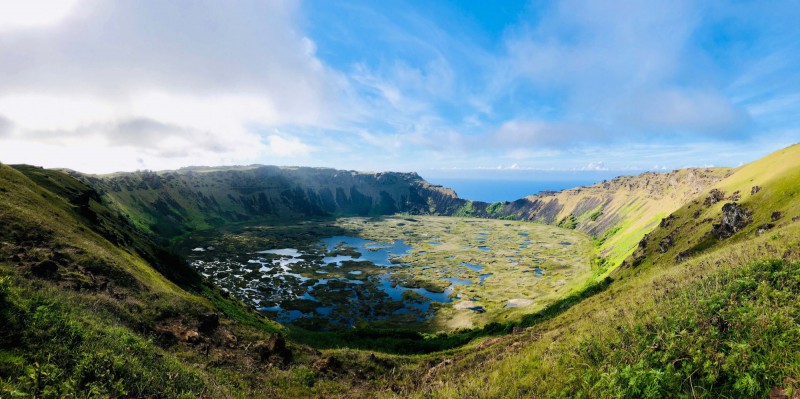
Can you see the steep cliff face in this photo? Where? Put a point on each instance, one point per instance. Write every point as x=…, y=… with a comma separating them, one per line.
x=173, y=202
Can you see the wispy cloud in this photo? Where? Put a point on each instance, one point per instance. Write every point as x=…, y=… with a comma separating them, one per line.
x=399, y=85
x=178, y=80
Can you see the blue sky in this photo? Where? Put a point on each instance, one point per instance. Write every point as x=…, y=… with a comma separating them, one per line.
x=446, y=88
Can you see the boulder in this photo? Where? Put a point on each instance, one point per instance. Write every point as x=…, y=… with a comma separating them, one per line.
x=714, y=196
x=208, y=322
x=166, y=338
x=763, y=228
x=754, y=190
x=665, y=244
x=776, y=215
x=734, y=218
x=273, y=350
x=45, y=269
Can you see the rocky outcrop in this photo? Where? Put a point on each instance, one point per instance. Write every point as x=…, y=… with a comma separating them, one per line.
x=734, y=218
x=665, y=244
x=764, y=228
x=714, y=196
x=274, y=350
x=45, y=269
x=208, y=323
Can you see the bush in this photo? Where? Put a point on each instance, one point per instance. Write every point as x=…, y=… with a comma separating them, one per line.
x=736, y=334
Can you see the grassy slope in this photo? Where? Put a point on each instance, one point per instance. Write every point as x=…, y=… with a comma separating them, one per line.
x=85, y=316
x=629, y=206
x=609, y=345
x=723, y=323
x=777, y=176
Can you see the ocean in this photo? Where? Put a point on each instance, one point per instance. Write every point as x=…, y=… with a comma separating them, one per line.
x=496, y=190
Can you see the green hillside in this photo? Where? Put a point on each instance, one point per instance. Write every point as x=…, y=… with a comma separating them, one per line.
x=764, y=192
x=721, y=320
x=705, y=306
x=92, y=308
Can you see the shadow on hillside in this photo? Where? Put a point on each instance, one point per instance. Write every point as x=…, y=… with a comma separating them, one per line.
x=399, y=341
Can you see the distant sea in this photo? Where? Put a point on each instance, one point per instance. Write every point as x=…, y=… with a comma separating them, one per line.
x=496, y=190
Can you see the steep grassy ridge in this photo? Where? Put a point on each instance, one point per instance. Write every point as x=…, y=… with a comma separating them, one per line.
x=722, y=321
x=85, y=314
x=766, y=194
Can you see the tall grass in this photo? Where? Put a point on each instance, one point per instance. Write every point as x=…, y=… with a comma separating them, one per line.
x=50, y=349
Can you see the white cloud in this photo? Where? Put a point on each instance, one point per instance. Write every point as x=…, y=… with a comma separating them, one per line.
x=287, y=147
x=674, y=110
x=181, y=80
x=16, y=14
x=539, y=134
x=6, y=126
x=598, y=165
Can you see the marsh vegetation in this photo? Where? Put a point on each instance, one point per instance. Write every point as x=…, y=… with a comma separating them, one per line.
x=432, y=273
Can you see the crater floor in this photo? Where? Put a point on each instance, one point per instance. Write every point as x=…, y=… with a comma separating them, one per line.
x=424, y=272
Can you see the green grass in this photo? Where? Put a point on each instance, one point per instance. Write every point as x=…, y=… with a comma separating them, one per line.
x=53, y=349
x=733, y=334
x=725, y=322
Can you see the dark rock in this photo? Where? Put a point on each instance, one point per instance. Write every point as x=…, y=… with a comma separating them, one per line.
x=714, y=196
x=734, y=218
x=166, y=339
x=796, y=218
x=754, y=190
x=517, y=330
x=208, y=322
x=665, y=244
x=735, y=196
x=328, y=364
x=274, y=350
x=45, y=269
x=764, y=227
x=682, y=256
x=643, y=242
x=776, y=215
x=16, y=258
